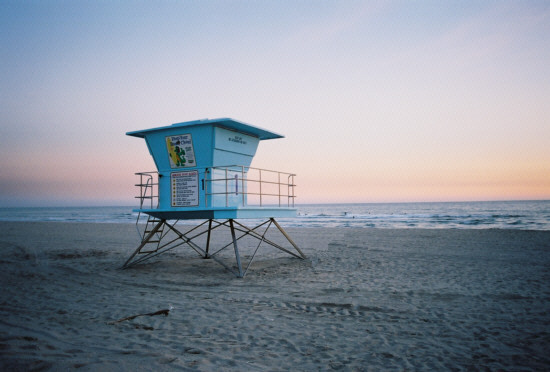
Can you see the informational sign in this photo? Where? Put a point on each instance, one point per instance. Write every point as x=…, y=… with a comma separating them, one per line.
x=236, y=142
x=180, y=151
x=185, y=189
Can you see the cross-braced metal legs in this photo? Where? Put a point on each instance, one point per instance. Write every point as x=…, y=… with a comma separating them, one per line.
x=165, y=236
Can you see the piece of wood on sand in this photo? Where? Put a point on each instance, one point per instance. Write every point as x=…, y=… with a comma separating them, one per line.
x=160, y=312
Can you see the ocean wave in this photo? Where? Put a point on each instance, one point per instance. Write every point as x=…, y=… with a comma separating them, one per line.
x=526, y=215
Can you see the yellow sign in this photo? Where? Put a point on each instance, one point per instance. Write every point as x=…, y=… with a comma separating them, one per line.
x=180, y=151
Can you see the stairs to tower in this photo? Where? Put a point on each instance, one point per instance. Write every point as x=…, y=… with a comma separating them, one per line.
x=151, y=244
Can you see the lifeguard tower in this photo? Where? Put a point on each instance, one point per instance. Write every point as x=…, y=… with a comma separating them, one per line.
x=203, y=173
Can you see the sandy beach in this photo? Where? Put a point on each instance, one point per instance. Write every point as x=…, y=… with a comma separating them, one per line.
x=364, y=299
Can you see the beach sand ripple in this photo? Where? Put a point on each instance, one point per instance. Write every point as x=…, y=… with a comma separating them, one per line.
x=365, y=299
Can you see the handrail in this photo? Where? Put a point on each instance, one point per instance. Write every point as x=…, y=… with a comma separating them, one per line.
x=230, y=186
x=148, y=189
x=249, y=178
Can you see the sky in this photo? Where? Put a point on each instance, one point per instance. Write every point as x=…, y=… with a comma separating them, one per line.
x=379, y=101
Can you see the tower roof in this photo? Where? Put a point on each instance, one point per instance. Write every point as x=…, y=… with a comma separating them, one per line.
x=227, y=123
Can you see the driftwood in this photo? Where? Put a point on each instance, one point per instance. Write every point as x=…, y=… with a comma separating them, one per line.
x=160, y=312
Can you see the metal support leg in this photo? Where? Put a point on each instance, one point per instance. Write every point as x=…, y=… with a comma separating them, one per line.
x=187, y=238
x=237, y=257
x=288, y=237
x=208, y=239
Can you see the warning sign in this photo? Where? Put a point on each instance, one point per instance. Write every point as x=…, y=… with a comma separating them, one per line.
x=185, y=189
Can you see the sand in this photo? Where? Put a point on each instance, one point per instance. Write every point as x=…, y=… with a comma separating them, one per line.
x=365, y=299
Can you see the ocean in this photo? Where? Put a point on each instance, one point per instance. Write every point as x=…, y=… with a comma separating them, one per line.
x=522, y=215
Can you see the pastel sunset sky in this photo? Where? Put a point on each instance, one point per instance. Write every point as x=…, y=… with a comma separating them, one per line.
x=380, y=101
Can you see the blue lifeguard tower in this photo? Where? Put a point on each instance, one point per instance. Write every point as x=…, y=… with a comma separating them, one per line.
x=203, y=173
